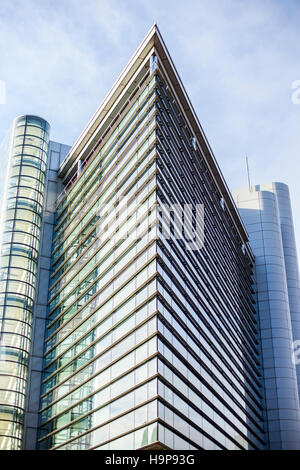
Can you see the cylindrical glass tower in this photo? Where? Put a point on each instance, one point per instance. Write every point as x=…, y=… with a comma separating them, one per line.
x=27, y=147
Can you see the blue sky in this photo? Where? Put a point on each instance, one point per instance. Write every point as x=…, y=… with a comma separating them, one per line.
x=237, y=60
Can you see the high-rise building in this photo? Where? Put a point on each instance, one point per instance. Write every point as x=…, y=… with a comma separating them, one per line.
x=127, y=295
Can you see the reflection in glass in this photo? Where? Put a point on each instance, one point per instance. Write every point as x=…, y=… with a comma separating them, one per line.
x=26, y=151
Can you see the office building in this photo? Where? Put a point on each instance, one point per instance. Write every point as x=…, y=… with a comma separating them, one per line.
x=137, y=324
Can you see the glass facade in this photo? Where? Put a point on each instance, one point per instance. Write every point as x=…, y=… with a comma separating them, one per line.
x=27, y=147
x=148, y=344
x=210, y=381
x=99, y=366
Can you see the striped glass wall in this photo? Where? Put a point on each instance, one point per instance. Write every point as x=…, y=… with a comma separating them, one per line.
x=99, y=364
x=148, y=343
x=210, y=382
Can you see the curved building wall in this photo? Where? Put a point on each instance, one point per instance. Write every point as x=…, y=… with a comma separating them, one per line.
x=281, y=192
x=20, y=239
x=261, y=214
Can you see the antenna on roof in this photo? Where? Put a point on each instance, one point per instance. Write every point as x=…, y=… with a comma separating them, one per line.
x=248, y=173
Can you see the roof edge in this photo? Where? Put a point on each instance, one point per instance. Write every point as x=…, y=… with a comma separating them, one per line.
x=154, y=39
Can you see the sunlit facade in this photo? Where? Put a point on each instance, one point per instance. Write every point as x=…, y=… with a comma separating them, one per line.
x=139, y=340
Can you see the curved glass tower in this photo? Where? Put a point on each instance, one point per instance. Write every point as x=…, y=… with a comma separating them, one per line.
x=27, y=148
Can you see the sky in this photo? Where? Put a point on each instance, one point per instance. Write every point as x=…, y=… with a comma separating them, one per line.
x=238, y=61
